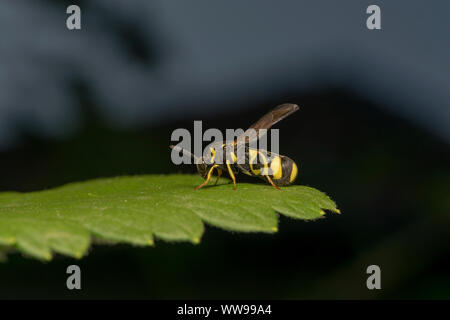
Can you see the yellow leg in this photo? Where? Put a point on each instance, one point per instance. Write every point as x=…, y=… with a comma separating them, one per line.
x=231, y=174
x=271, y=182
x=208, y=177
x=219, y=173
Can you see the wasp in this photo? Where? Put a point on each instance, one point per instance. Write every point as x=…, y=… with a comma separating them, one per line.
x=278, y=170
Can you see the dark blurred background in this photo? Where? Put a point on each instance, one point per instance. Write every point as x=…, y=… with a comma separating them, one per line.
x=372, y=132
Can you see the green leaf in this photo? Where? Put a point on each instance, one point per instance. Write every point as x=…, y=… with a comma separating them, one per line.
x=136, y=209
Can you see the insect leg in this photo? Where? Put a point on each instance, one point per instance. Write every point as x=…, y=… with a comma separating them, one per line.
x=219, y=173
x=208, y=178
x=271, y=182
x=231, y=174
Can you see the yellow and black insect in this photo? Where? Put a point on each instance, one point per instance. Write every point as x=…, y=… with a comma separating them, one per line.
x=278, y=170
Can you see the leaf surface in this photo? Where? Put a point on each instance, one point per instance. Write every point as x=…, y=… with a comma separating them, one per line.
x=137, y=209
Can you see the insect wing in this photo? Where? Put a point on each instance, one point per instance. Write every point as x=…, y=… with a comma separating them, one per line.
x=266, y=122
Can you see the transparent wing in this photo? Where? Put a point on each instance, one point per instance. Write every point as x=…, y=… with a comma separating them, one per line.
x=267, y=121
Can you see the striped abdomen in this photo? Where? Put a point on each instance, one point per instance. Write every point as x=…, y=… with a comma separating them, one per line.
x=281, y=169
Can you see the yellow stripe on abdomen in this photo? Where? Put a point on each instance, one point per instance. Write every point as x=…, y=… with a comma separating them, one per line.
x=294, y=172
x=276, y=168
